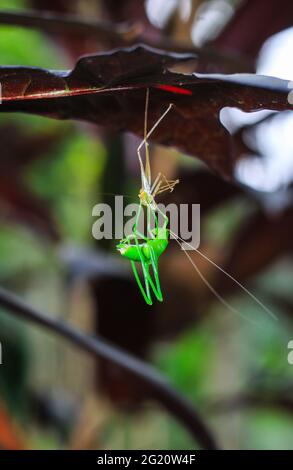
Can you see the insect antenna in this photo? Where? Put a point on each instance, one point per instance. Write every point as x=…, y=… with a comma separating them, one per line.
x=261, y=304
x=212, y=289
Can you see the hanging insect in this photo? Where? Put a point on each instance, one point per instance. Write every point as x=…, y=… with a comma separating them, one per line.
x=147, y=249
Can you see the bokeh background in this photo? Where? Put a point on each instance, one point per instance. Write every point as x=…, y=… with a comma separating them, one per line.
x=233, y=368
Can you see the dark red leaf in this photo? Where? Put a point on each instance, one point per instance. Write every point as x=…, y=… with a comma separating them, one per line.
x=109, y=89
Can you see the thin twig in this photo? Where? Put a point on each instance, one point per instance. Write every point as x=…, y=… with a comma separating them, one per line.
x=65, y=23
x=155, y=383
x=121, y=35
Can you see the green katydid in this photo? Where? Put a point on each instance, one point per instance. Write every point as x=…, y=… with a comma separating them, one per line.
x=147, y=250
x=138, y=248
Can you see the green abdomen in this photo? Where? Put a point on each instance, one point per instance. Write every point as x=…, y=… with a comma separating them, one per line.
x=134, y=252
x=159, y=245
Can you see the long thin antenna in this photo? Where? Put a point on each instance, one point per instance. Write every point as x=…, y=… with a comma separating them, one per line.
x=261, y=304
x=212, y=289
